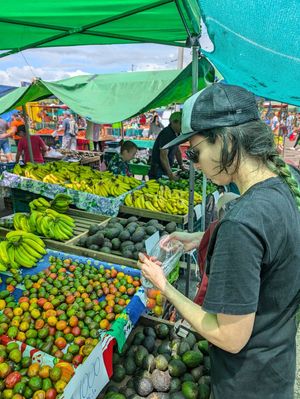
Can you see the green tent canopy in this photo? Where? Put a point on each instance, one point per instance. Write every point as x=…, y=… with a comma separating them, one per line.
x=114, y=97
x=31, y=24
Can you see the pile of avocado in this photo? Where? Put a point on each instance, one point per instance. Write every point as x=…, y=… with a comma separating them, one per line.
x=160, y=365
x=125, y=237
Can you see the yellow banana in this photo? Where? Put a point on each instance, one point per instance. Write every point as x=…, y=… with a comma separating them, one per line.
x=31, y=251
x=3, y=252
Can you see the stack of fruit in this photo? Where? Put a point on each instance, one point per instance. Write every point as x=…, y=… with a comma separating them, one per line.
x=60, y=203
x=46, y=221
x=23, y=378
x=20, y=249
x=183, y=183
x=159, y=364
x=155, y=301
x=77, y=177
x=124, y=237
x=160, y=198
x=61, y=316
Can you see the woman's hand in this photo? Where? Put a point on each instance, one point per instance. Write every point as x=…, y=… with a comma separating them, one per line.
x=153, y=272
x=190, y=241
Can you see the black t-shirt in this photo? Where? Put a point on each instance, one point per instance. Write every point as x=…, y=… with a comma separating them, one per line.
x=164, y=137
x=253, y=265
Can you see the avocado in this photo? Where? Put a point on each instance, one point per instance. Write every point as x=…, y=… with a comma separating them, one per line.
x=99, y=239
x=161, y=380
x=152, y=222
x=204, y=391
x=203, y=346
x=160, y=227
x=130, y=229
x=106, y=250
x=126, y=244
x=176, y=368
x=107, y=243
x=127, y=392
x=130, y=366
x=149, y=332
x=197, y=372
x=143, y=386
x=139, y=246
x=94, y=247
x=162, y=331
x=192, y=358
x=89, y=241
x=138, y=235
x=205, y=379
x=149, y=363
x=175, y=385
x=138, y=338
x=187, y=377
x=82, y=242
x=132, y=219
x=164, y=348
x=139, y=355
x=183, y=347
x=170, y=227
x=115, y=243
x=190, y=390
x=149, y=343
x=111, y=233
x=93, y=229
x=150, y=230
x=123, y=222
x=119, y=373
x=127, y=253
x=124, y=235
x=161, y=362
x=190, y=339
x=116, y=358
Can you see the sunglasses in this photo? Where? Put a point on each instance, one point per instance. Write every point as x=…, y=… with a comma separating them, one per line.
x=192, y=154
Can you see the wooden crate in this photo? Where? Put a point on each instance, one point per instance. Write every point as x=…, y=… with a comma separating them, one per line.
x=180, y=220
x=114, y=257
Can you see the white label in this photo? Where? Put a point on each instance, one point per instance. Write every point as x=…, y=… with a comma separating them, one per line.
x=90, y=378
x=198, y=211
x=216, y=195
x=151, y=242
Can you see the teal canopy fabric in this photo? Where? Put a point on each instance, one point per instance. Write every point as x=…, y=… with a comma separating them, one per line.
x=115, y=97
x=256, y=45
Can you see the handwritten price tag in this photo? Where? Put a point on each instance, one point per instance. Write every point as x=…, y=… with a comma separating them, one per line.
x=90, y=378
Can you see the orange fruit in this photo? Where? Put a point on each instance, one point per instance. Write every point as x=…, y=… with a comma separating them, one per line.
x=48, y=306
x=60, y=342
x=110, y=302
x=151, y=303
x=73, y=322
x=152, y=293
x=23, y=299
x=35, y=314
x=50, y=312
x=104, y=324
x=24, y=326
x=158, y=310
x=61, y=325
x=39, y=324
x=24, y=306
x=122, y=289
x=110, y=317
x=21, y=336
x=44, y=371
x=18, y=311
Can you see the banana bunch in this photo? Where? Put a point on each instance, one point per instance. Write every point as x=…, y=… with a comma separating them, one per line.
x=20, y=249
x=158, y=198
x=61, y=203
x=22, y=222
x=39, y=204
x=52, y=224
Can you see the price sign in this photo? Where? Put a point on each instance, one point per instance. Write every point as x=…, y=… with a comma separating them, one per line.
x=90, y=378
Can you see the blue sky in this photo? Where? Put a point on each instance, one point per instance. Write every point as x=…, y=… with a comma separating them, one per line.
x=58, y=63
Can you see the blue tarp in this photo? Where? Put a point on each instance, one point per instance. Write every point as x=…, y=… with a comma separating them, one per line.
x=256, y=45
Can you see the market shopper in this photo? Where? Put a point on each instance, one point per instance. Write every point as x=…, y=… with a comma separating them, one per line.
x=5, y=133
x=162, y=159
x=253, y=294
x=155, y=127
x=38, y=146
x=119, y=163
x=70, y=131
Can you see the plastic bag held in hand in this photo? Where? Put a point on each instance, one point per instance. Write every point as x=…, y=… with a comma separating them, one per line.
x=166, y=255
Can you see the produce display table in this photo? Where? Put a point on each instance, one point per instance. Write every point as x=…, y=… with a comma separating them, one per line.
x=91, y=376
x=83, y=200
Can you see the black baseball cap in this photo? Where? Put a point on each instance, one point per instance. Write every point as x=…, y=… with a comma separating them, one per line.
x=218, y=105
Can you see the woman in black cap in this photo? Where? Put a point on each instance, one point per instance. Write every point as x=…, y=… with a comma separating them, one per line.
x=253, y=262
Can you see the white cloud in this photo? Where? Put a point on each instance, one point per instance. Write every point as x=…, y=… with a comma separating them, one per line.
x=14, y=75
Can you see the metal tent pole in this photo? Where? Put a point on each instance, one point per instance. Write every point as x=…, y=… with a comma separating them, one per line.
x=195, y=49
x=27, y=133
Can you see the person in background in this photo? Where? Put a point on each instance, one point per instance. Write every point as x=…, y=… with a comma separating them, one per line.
x=155, y=127
x=249, y=310
x=38, y=146
x=143, y=119
x=290, y=124
x=118, y=165
x=16, y=120
x=69, y=127
x=5, y=133
x=162, y=159
x=81, y=122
